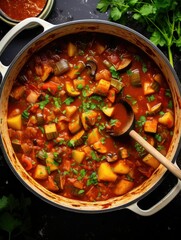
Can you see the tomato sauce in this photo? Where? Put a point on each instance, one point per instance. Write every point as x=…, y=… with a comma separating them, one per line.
x=21, y=9
x=63, y=108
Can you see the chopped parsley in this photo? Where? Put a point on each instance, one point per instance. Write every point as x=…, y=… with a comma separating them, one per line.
x=69, y=100
x=141, y=121
x=57, y=102
x=92, y=180
x=43, y=103
x=151, y=98
x=114, y=72
x=25, y=114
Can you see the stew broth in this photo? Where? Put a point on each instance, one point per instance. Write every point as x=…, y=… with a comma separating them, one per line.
x=63, y=107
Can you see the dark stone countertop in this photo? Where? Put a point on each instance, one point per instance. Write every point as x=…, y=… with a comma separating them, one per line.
x=51, y=223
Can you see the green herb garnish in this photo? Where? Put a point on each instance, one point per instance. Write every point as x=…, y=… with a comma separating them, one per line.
x=43, y=103
x=162, y=19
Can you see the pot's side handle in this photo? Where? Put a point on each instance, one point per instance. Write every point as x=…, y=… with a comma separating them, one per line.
x=28, y=22
x=158, y=206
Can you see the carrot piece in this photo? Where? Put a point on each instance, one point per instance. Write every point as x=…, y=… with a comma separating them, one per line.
x=51, y=86
x=112, y=95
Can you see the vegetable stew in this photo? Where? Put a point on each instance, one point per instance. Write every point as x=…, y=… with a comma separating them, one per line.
x=63, y=107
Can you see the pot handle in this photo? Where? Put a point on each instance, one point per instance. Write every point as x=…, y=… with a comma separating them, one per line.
x=28, y=22
x=158, y=206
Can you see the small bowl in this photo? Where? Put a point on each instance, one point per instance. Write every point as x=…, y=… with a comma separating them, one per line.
x=43, y=14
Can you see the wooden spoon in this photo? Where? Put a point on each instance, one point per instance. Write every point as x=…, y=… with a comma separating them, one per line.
x=128, y=129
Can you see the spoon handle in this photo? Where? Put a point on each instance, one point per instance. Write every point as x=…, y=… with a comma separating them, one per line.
x=163, y=160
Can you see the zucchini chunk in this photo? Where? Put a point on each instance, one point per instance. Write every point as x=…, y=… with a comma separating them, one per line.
x=51, y=131
x=151, y=161
x=71, y=90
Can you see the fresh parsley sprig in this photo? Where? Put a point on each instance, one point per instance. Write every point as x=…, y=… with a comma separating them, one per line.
x=162, y=19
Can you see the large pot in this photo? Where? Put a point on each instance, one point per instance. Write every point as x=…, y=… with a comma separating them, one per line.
x=50, y=33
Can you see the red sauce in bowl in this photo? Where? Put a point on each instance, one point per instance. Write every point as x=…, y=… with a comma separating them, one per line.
x=21, y=9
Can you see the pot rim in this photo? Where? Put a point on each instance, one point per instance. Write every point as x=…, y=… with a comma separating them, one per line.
x=50, y=31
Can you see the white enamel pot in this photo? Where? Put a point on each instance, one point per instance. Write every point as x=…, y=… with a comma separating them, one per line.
x=9, y=73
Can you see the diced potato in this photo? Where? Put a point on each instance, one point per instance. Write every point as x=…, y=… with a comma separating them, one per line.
x=70, y=110
x=123, y=186
x=102, y=87
x=40, y=172
x=78, y=156
x=108, y=111
x=151, y=161
x=15, y=122
x=167, y=119
x=93, y=136
x=71, y=49
x=88, y=119
x=76, y=70
x=51, y=164
x=75, y=125
x=147, y=88
x=51, y=131
x=71, y=90
x=151, y=125
x=105, y=173
x=99, y=147
x=121, y=167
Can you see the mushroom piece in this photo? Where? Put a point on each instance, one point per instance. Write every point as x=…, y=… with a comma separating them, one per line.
x=111, y=157
x=92, y=67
